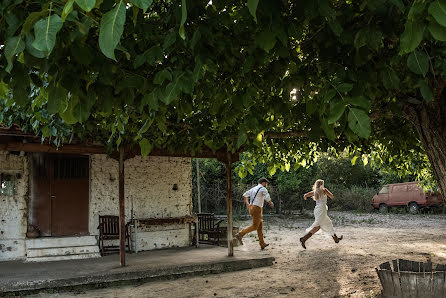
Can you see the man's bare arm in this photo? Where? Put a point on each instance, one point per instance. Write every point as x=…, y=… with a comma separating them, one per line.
x=246, y=202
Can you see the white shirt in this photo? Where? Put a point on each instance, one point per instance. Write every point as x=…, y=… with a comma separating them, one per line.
x=262, y=195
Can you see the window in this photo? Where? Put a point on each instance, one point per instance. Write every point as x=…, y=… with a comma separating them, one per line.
x=399, y=188
x=7, y=184
x=385, y=189
x=413, y=187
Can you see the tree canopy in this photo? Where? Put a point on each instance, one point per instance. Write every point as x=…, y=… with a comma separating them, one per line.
x=284, y=79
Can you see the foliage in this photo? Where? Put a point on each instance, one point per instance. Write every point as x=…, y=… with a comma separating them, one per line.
x=225, y=74
x=353, y=184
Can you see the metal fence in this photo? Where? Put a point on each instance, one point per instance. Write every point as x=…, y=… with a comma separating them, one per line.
x=213, y=198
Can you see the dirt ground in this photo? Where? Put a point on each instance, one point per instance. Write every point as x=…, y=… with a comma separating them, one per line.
x=325, y=269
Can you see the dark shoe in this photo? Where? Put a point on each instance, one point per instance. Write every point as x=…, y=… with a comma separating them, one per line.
x=305, y=238
x=239, y=238
x=336, y=239
x=263, y=247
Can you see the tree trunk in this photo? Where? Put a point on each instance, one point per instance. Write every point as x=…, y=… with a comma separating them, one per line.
x=429, y=120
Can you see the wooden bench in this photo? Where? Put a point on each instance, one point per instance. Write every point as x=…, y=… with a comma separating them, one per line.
x=109, y=230
x=209, y=231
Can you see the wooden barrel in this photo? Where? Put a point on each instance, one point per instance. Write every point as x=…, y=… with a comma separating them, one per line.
x=412, y=279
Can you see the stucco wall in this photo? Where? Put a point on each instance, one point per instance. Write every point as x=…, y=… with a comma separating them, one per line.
x=13, y=208
x=149, y=190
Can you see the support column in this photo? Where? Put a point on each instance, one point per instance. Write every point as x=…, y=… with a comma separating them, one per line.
x=121, y=208
x=198, y=186
x=229, y=204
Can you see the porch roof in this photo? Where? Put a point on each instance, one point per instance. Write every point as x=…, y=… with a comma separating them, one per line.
x=14, y=139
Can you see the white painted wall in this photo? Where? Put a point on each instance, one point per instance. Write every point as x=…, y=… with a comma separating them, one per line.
x=13, y=209
x=149, y=187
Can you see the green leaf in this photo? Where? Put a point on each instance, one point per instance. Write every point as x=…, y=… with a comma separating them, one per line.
x=426, y=91
x=32, y=50
x=151, y=100
x=272, y=170
x=145, y=126
x=67, y=9
x=337, y=109
x=13, y=24
x=4, y=90
x=359, y=101
x=20, y=95
x=390, y=79
x=183, y=19
x=67, y=115
x=143, y=4
x=242, y=137
x=32, y=19
x=161, y=76
x=335, y=26
x=359, y=122
x=412, y=36
x=82, y=110
x=328, y=129
x=438, y=32
x=186, y=83
x=112, y=27
x=418, y=62
x=171, y=92
x=416, y=10
x=354, y=160
x=45, y=32
x=311, y=106
x=266, y=40
x=145, y=146
x=438, y=10
x=14, y=46
x=86, y=5
x=195, y=38
x=169, y=39
x=252, y=6
x=345, y=87
x=399, y=4
x=328, y=94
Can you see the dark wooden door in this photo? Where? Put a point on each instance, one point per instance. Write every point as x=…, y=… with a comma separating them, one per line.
x=61, y=197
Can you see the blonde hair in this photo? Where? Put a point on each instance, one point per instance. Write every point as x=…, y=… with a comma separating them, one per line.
x=318, y=192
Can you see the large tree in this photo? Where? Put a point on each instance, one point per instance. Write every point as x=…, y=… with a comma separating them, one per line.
x=284, y=79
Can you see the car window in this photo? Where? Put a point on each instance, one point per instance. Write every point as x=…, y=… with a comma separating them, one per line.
x=385, y=189
x=399, y=188
x=413, y=187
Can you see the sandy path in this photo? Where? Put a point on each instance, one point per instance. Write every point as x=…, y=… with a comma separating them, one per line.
x=325, y=269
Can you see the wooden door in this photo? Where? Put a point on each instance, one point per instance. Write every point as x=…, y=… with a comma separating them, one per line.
x=60, y=198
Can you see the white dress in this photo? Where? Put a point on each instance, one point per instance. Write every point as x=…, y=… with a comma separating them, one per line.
x=321, y=217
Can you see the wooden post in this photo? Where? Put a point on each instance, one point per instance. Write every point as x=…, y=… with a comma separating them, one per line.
x=229, y=204
x=121, y=208
x=198, y=186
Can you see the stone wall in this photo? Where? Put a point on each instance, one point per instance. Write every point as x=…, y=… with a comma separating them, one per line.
x=13, y=208
x=149, y=192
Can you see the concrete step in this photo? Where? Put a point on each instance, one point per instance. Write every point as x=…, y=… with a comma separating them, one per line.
x=48, y=242
x=61, y=251
x=62, y=258
x=61, y=248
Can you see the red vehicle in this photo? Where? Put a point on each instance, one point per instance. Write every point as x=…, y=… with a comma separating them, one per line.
x=408, y=194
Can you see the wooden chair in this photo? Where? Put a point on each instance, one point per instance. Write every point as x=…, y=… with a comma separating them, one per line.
x=209, y=231
x=109, y=230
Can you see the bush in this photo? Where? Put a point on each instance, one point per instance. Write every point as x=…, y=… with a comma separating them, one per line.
x=353, y=198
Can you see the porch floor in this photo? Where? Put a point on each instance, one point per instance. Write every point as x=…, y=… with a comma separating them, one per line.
x=21, y=277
